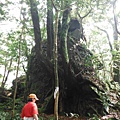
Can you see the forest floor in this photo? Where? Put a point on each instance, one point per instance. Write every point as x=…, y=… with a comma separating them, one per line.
x=113, y=116
x=60, y=117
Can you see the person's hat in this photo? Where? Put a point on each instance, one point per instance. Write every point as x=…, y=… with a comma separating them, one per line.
x=33, y=96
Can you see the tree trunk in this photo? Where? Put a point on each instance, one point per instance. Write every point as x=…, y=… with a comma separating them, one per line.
x=64, y=53
x=50, y=30
x=116, y=64
x=64, y=47
x=36, y=25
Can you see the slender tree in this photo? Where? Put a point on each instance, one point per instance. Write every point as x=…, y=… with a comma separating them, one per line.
x=56, y=93
x=5, y=78
x=17, y=70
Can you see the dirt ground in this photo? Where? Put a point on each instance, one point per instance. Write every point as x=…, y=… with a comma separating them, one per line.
x=115, y=116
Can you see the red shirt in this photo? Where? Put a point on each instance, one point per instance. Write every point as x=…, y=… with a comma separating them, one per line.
x=29, y=110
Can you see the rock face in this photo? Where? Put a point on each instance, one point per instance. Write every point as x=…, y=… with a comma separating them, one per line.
x=76, y=93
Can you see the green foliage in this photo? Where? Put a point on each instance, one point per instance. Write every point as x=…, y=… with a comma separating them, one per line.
x=97, y=62
x=94, y=117
x=0, y=75
x=7, y=116
x=43, y=108
x=110, y=96
x=6, y=111
x=4, y=116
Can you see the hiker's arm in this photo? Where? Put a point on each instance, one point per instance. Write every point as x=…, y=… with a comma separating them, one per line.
x=35, y=116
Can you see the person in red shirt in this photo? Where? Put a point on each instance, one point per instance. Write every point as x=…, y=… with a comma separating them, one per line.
x=30, y=110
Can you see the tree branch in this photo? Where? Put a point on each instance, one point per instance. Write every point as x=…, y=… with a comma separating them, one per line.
x=107, y=37
x=85, y=14
x=54, y=5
